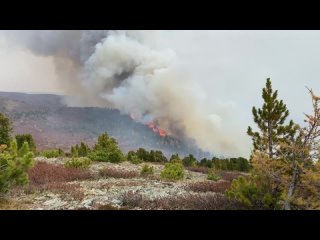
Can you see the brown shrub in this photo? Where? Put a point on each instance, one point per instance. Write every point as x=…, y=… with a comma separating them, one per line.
x=131, y=199
x=45, y=173
x=208, y=186
x=117, y=173
x=204, y=170
x=229, y=175
x=187, y=202
x=48, y=177
x=207, y=202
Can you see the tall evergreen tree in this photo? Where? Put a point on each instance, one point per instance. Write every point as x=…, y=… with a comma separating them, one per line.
x=83, y=150
x=5, y=130
x=271, y=123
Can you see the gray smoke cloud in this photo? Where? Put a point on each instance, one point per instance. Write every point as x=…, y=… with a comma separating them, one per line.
x=131, y=71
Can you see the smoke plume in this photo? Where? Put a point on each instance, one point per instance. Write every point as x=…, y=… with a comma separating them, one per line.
x=130, y=71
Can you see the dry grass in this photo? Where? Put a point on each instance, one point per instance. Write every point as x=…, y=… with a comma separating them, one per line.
x=187, y=202
x=117, y=173
x=208, y=186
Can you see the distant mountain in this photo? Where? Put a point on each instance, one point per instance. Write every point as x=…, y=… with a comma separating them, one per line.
x=55, y=125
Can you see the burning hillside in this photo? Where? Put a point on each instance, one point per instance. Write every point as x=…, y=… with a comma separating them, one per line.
x=55, y=125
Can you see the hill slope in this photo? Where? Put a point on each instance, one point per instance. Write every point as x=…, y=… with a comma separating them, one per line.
x=55, y=125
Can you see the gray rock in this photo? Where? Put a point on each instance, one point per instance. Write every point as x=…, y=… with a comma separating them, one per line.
x=54, y=203
x=88, y=202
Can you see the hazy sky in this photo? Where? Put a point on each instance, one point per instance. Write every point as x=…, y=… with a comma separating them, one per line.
x=21, y=71
x=231, y=67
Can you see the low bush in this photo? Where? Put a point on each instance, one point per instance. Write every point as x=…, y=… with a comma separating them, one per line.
x=229, y=175
x=54, y=153
x=213, y=176
x=135, y=160
x=44, y=173
x=54, y=178
x=185, y=202
x=172, y=171
x=81, y=162
x=208, y=186
x=147, y=171
x=255, y=192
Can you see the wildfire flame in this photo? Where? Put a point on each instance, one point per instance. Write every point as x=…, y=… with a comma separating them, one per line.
x=156, y=129
x=152, y=126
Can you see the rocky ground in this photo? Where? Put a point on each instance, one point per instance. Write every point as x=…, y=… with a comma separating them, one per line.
x=107, y=192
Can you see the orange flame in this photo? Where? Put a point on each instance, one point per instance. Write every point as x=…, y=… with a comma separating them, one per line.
x=162, y=132
x=156, y=129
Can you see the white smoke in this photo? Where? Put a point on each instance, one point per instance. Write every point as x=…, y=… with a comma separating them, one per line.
x=129, y=71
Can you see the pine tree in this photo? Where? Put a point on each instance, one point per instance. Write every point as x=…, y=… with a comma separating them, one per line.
x=83, y=150
x=14, y=166
x=271, y=122
x=189, y=161
x=106, y=149
x=5, y=130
